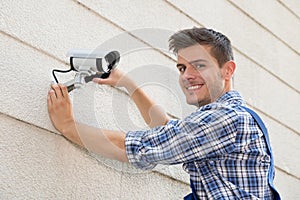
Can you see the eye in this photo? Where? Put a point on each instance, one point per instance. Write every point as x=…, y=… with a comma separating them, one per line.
x=181, y=68
x=199, y=66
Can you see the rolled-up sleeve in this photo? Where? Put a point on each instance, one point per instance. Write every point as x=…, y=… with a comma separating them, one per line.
x=182, y=141
x=143, y=148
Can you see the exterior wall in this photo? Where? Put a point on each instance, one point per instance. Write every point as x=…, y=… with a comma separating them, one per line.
x=37, y=163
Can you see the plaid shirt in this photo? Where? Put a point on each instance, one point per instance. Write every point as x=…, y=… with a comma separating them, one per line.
x=220, y=146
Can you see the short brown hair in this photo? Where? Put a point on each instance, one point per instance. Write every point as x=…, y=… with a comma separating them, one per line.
x=219, y=43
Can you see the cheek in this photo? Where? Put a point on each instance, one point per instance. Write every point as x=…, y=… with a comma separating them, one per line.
x=180, y=80
x=211, y=75
x=214, y=82
x=207, y=75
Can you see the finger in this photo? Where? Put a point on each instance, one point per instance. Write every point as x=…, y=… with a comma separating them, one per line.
x=52, y=96
x=49, y=103
x=99, y=80
x=57, y=90
x=64, y=91
x=96, y=80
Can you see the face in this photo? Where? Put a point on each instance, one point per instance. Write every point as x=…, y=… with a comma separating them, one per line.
x=201, y=78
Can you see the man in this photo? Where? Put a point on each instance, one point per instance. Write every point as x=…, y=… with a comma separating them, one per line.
x=221, y=145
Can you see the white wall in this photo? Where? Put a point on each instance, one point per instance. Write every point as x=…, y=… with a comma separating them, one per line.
x=37, y=163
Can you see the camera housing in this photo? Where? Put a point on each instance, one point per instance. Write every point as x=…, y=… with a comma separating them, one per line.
x=88, y=65
x=98, y=61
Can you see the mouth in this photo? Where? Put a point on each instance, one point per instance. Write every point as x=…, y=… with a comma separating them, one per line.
x=194, y=87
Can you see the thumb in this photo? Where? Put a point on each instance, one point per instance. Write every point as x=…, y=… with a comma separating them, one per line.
x=98, y=80
x=106, y=81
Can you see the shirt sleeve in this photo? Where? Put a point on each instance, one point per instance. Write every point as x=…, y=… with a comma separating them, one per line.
x=201, y=135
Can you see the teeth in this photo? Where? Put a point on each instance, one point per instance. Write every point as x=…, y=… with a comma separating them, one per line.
x=194, y=87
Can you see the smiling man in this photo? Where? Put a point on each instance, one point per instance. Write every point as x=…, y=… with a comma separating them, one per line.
x=201, y=78
x=222, y=145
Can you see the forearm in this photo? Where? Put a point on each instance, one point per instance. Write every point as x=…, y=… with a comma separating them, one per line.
x=110, y=144
x=153, y=114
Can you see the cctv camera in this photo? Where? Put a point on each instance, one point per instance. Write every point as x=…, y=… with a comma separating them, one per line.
x=88, y=65
x=101, y=62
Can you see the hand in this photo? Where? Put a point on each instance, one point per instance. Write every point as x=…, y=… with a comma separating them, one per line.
x=60, y=108
x=116, y=78
x=108, y=143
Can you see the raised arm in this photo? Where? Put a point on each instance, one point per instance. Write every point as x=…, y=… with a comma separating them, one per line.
x=153, y=114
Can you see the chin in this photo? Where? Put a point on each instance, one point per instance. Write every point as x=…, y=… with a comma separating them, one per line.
x=197, y=102
x=193, y=102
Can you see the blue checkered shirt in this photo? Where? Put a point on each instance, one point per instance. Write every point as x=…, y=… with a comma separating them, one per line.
x=220, y=146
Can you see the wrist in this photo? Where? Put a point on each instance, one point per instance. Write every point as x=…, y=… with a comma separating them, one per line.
x=68, y=128
x=130, y=86
x=70, y=131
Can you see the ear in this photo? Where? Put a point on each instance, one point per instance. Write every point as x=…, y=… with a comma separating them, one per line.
x=228, y=69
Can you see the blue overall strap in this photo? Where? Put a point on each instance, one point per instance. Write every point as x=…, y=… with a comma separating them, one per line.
x=269, y=149
x=191, y=196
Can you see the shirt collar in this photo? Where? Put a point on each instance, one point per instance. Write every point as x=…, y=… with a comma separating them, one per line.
x=231, y=97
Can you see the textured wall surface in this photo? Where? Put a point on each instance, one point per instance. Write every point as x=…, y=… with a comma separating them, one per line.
x=37, y=163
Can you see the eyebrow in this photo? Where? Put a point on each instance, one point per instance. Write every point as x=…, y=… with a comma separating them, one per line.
x=180, y=65
x=192, y=62
x=198, y=60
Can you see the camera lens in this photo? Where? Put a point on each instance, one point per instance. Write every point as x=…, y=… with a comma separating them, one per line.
x=109, y=62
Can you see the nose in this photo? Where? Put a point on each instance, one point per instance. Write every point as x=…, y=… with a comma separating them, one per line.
x=190, y=73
